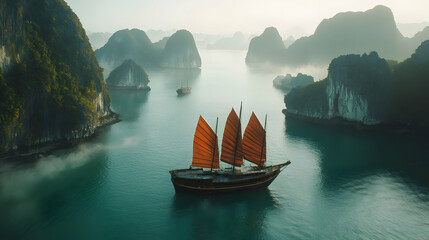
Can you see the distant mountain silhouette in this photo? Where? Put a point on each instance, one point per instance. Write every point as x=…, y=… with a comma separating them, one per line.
x=351, y=33
x=410, y=29
x=345, y=33
x=236, y=42
x=161, y=43
x=420, y=37
x=268, y=47
x=289, y=41
x=98, y=39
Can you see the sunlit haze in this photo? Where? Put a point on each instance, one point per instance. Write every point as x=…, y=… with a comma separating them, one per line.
x=296, y=17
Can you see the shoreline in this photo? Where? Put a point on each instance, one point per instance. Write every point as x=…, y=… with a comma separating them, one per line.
x=399, y=129
x=42, y=150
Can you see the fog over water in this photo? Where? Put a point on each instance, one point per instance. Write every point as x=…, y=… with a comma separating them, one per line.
x=297, y=18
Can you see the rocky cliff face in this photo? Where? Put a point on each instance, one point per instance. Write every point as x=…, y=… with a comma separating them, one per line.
x=310, y=101
x=181, y=52
x=268, y=47
x=364, y=89
x=51, y=87
x=357, y=89
x=128, y=76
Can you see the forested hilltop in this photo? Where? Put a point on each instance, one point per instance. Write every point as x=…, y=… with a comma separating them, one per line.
x=51, y=86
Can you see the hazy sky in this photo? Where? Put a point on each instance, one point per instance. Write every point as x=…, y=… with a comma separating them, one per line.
x=290, y=17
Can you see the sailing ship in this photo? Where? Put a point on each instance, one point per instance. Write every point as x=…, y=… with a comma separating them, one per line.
x=184, y=90
x=205, y=174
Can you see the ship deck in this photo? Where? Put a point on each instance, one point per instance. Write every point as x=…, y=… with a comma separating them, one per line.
x=225, y=174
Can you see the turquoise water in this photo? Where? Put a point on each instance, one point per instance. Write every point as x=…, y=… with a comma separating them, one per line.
x=342, y=183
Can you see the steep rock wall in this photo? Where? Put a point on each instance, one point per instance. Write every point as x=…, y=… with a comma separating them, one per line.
x=51, y=87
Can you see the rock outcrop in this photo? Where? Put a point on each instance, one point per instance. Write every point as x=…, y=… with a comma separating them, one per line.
x=288, y=82
x=180, y=51
x=128, y=44
x=128, y=75
x=268, y=47
x=366, y=90
x=51, y=87
x=357, y=89
x=177, y=51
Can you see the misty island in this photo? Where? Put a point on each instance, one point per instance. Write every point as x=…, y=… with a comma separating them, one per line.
x=345, y=33
x=366, y=89
x=176, y=51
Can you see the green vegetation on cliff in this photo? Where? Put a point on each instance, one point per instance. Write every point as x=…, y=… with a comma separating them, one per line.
x=411, y=88
x=312, y=98
x=129, y=75
x=369, y=90
x=51, y=84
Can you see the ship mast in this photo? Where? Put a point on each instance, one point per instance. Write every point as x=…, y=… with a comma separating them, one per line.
x=236, y=137
x=263, y=142
x=214, y=147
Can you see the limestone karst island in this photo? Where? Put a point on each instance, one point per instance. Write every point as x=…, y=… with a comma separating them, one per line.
x=214, y=119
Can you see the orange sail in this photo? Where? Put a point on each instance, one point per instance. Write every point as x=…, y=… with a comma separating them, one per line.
x=254, y=145
x=206, y=151
x=231, y=142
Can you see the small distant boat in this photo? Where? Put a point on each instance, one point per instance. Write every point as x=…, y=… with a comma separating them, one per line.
x=184, y=90
x=208, y=177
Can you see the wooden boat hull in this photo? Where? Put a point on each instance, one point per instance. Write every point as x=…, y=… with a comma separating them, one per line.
x=197, y=180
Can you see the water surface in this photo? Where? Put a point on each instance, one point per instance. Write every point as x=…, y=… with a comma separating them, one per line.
x=342, y=184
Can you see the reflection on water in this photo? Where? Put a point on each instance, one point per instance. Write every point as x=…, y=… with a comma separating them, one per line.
x=228, y=216
x=352, y=159
x=349, y=153
x=128, y=103
x=371, y=183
